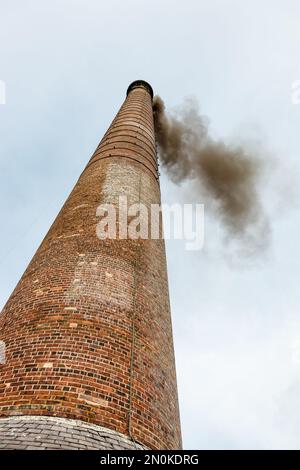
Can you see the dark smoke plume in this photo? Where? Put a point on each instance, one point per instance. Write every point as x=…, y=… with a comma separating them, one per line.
x=226, y=175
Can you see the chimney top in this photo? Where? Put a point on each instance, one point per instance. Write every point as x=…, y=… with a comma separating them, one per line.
x=138, y=84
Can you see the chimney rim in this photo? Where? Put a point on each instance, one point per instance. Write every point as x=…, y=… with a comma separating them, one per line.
x=139, y=84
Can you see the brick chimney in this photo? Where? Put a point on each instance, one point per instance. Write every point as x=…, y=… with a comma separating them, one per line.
x=87, y=331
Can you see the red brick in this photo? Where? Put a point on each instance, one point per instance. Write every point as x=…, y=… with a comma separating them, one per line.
x=83, y=304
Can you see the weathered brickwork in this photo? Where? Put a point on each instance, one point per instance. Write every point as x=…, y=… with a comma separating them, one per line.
x=45, y=432
x=88, y=330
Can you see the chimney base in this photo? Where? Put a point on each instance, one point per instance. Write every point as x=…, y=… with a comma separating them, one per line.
x=45, y=433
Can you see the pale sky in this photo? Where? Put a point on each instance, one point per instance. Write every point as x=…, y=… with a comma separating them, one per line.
x=66, y=65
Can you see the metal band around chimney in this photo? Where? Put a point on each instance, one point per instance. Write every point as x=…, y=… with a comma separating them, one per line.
x=140, y=84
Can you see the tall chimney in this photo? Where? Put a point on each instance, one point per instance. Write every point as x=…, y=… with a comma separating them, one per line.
x=87, y=331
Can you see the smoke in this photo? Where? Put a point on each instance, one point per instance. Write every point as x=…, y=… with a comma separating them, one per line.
x=227, y=176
